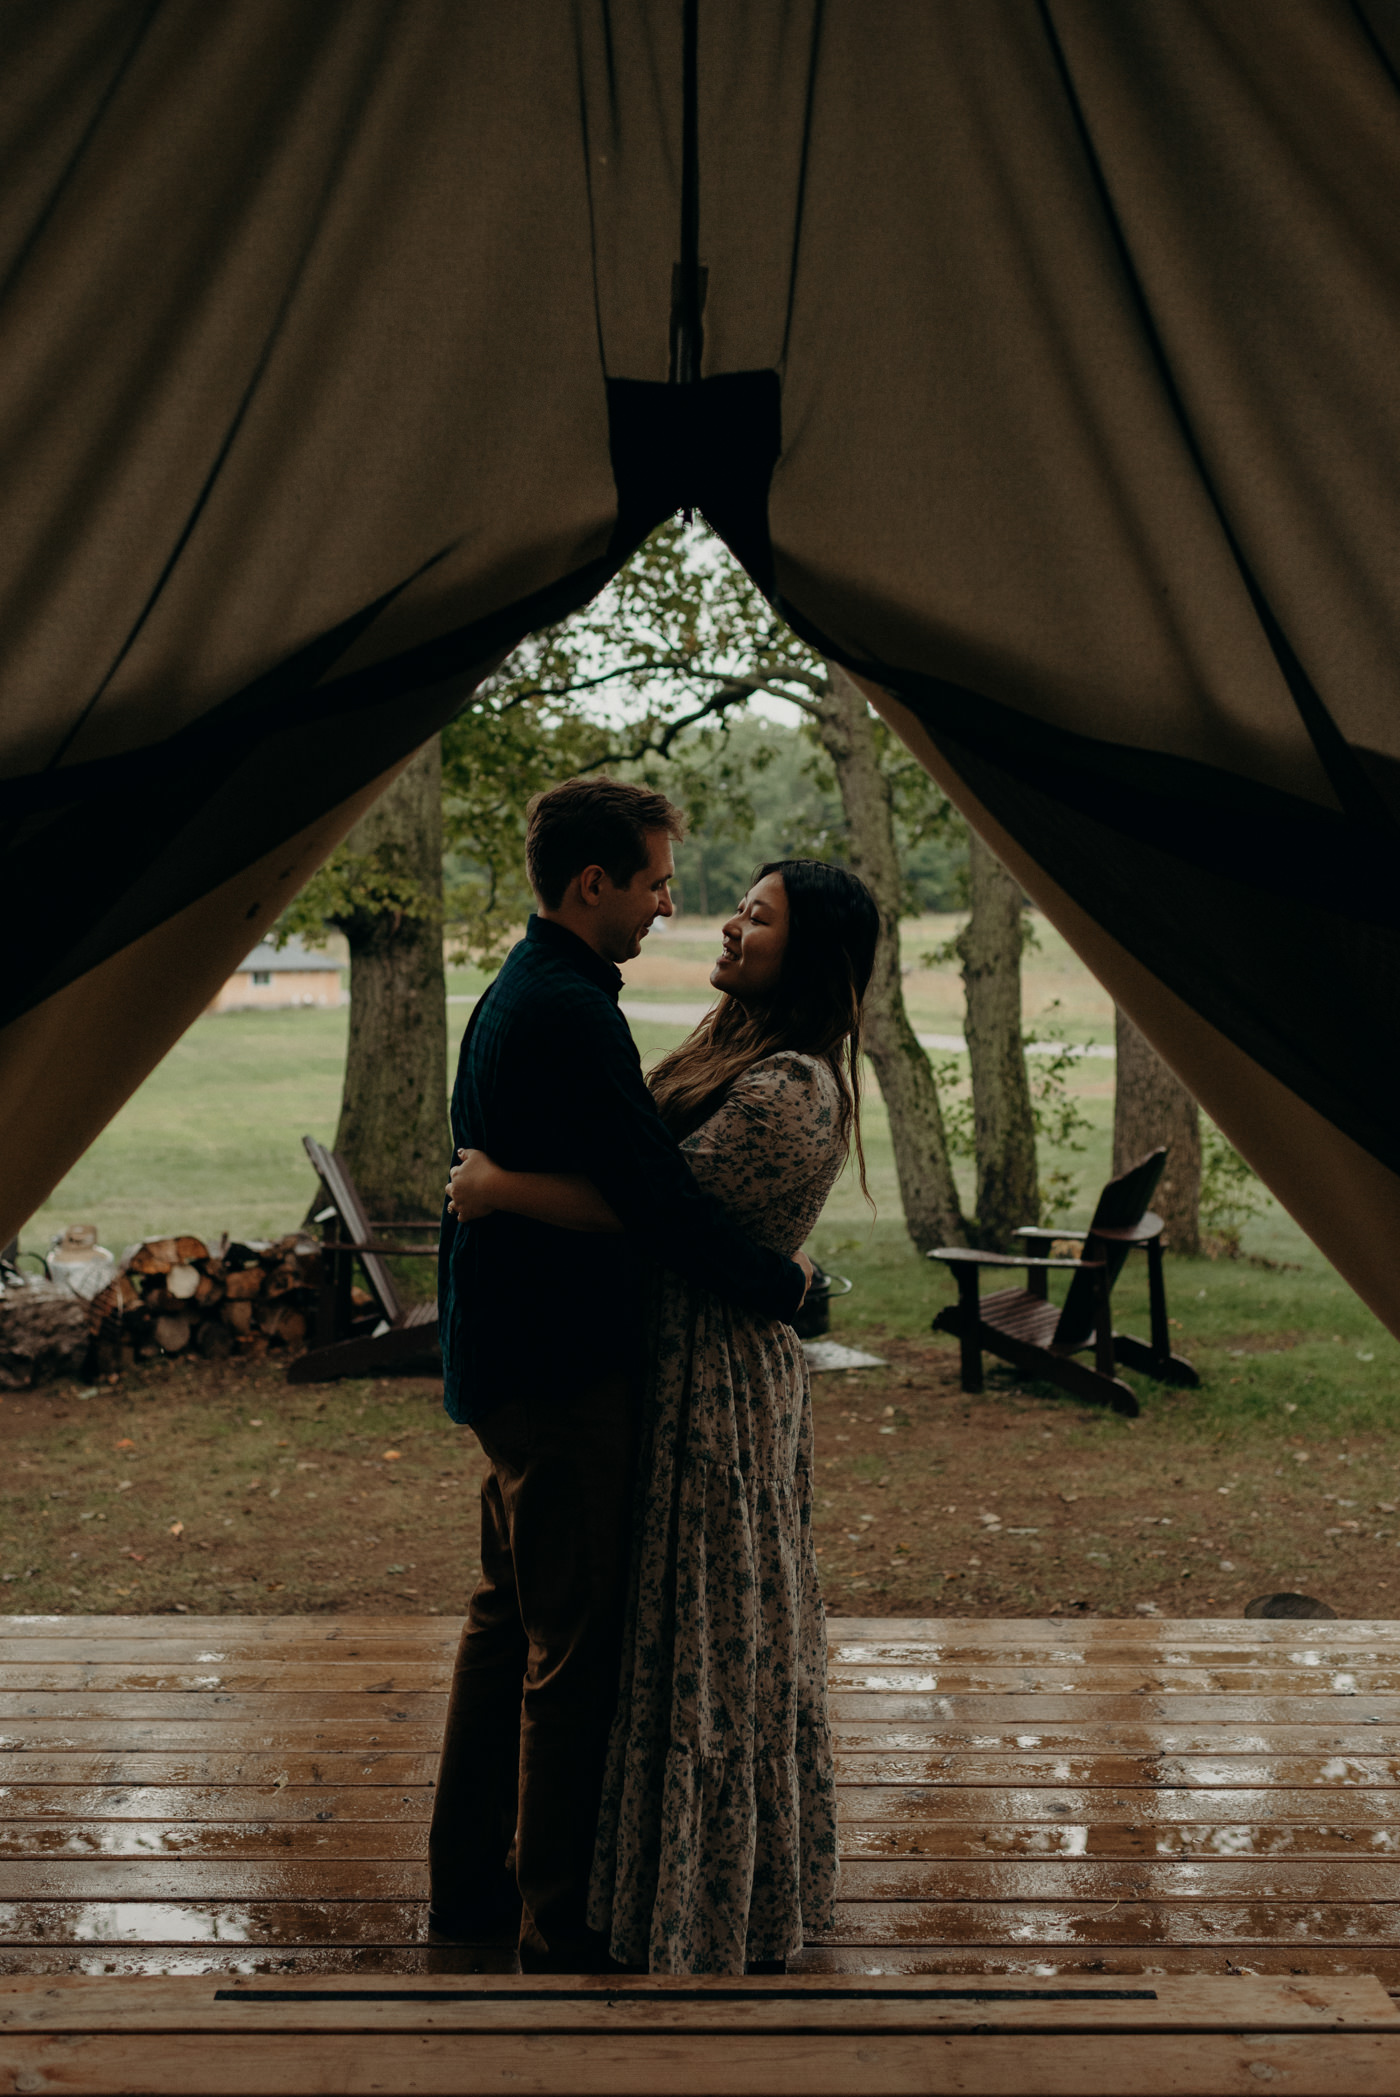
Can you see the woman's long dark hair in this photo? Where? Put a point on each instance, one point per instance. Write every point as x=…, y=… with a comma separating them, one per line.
x=814, y=1008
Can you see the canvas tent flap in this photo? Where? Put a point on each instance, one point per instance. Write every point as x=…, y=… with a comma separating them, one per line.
x=1038, y=359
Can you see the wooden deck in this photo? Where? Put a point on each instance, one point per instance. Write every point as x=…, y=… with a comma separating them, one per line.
x=1150, y=1837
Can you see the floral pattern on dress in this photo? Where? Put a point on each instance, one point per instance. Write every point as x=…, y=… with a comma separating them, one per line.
x=717, y=1837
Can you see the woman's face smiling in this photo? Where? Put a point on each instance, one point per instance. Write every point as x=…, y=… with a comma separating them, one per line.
x=755, y=940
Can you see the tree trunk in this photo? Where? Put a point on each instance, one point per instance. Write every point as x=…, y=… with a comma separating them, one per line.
x=1152, y=1106
x=393, y=1128
x=932, y=1213
x=1008, y=1187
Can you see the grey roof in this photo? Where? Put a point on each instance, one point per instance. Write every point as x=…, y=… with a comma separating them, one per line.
x=282, y=960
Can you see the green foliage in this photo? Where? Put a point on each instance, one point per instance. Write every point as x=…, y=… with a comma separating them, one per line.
x=506, y=745
x=652, y=681
x=1060, y=1121
x=351, y=886
x=1230, y=1191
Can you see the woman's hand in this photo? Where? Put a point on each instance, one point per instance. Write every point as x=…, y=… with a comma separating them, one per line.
x=470, y=1186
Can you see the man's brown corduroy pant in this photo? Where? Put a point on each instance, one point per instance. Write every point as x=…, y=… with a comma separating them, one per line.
x=535, y=1683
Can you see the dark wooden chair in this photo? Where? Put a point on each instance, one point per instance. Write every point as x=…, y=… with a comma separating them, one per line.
x=1023, y=1327
x=391, y=1334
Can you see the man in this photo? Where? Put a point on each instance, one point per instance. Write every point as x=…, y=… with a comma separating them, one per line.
x=540, y=1349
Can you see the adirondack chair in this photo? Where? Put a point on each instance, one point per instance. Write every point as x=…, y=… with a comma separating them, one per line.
x=392, y=1334
x=1042, y=1340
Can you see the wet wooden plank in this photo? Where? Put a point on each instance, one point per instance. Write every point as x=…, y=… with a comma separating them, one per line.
x=232, y=1924
x=1308, y=1925
x=100, y=1751
x=297, y=1878
x=299, y=1841
x=342, y=1960
x=169, y=1753
x=372, y=1674
x=303, y=1879
x=1080, y=1634
x=1093, y=1710
x=1150, y=1770
x=242, y=1841
x=1326, y=1880
x=267, y=1708
x=1085, y=1633
x=1119, y=1960
x=338, y=1960
x=311, y=1649
x=1366, y=1814
x=189, y=1805
x=994, y=2064
x=271, y=1630
x=869, y=1735
x=22, y=1684
x=866, y=1840
x=219, y=1707
x=314, y=1681
x=1309, y=1646
x=700, y=2004
x=227, y=1767
x=1204, y=1642
x=227, y=1924
x=374, y=1728
x=957, y=1678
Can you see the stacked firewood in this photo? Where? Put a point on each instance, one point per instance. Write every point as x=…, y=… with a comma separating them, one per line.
x=175, y=1295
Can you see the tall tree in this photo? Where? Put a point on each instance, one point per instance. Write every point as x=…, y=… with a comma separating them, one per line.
x=932, y=1210
x=383, y=890
x=1152, y=1106
x=1008, y=1186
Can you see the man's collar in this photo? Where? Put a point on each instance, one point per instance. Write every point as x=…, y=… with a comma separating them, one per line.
x=575, y=951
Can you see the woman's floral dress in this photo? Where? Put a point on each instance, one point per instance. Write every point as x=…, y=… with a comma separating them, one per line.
x=717, y=1839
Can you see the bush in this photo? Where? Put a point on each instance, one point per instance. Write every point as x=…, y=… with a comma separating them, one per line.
x=1231, y=1193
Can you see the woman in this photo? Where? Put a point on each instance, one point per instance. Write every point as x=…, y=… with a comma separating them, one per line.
x=717, y=1839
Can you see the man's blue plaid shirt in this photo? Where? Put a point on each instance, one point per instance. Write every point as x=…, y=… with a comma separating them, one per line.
x=549, y=1080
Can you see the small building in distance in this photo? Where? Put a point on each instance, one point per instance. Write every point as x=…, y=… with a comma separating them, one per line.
x=278, y=976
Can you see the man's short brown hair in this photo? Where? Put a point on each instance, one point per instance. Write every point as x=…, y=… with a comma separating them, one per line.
x=593, y=822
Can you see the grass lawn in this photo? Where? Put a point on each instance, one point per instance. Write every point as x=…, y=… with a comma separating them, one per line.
x=1282, y=1470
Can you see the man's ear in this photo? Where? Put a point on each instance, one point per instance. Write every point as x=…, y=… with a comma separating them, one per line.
x=590, y=884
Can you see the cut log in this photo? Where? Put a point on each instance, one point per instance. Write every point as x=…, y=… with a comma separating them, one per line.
x=245, y=1283
x=188, y=1250
x=210, y=1290
x=155, y=1256
x=281, y=1322
x=44, y=1333
x=171, y=1333
x=237, y=1314
x=112, y=1303
x=215, y=1340
x=183, y=1282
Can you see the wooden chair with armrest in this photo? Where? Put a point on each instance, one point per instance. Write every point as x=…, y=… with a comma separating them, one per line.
x=1043, y=1340
x=391, y=1334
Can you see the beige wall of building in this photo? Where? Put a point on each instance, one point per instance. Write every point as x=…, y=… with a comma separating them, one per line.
x=248, y=989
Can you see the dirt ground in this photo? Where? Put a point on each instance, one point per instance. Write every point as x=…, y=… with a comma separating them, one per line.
x=217, y=1488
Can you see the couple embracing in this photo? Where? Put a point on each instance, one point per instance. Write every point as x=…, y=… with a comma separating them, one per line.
x=637, y=1761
